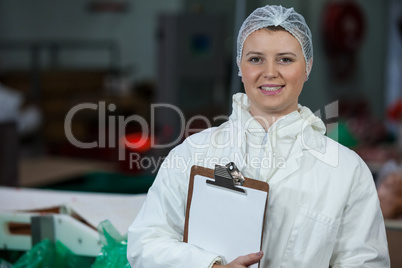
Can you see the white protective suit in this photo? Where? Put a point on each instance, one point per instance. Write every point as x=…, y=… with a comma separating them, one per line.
x=322, y=209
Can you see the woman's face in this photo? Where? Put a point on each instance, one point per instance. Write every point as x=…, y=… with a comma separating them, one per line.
x=273, y=73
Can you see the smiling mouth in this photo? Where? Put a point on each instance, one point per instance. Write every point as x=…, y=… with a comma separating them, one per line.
x=271, y=88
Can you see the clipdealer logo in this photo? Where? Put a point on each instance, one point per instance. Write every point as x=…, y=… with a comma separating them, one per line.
x=116, y=128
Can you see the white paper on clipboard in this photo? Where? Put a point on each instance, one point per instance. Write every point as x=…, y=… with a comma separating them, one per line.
x=226, y=222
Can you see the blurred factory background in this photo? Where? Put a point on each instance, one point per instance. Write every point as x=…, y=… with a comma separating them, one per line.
x=80, y=79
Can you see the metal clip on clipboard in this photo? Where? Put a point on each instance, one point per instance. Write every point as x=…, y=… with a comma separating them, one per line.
x=228, y=176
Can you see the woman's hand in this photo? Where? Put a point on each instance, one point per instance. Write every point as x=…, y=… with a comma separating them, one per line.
x=243, y=261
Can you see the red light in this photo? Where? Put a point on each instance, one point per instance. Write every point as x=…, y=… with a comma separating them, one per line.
x=136, y=142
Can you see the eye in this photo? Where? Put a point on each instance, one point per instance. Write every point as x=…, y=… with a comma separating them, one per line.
x=286, y=60
x=255, y=60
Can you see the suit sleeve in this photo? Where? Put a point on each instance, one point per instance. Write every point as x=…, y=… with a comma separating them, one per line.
x=155, y=237
x=361, y=240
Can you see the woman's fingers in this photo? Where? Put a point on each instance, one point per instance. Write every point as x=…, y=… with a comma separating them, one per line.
x=249, y=259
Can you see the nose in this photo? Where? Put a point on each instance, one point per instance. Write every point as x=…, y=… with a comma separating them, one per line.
x=270, y=70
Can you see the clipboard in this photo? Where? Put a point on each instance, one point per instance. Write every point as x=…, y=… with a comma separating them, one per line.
x=225, y=212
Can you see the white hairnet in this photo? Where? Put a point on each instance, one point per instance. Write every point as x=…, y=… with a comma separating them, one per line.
x=288, y=19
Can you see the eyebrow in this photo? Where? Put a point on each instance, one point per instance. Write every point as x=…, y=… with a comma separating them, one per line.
x=287, y=53
x=254, y=53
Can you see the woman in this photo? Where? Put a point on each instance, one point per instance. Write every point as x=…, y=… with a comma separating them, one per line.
x=323, y=208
